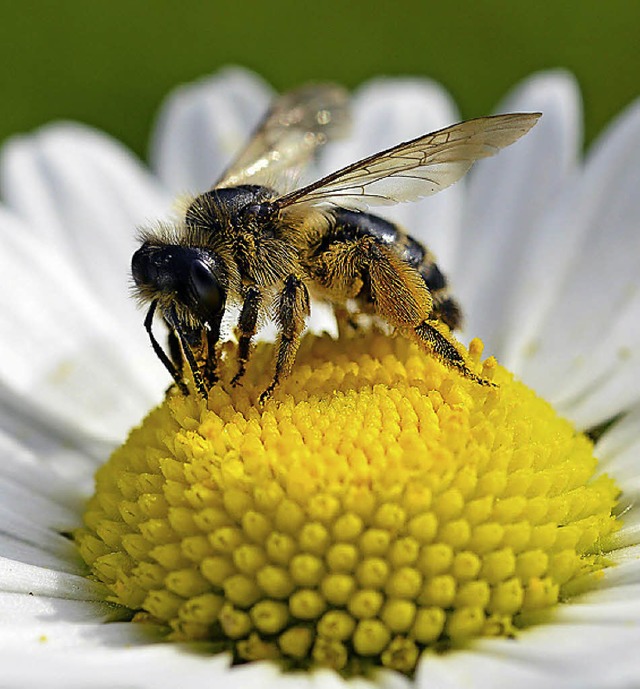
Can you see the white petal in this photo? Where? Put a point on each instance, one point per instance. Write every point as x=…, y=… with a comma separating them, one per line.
x=50, y=459
x=29, y=610
x=202, y=125
x=51, y=635
x=618, y=451
x=68, y=666
x=621, y=581
x=31, y=464
x=28, y=529
x=629, y=534
x=33, y=513
x=84, y=192
x=564, y=656
x=504, y=244
x=386, y=112
x=82, y=195
x=60, y=351
x=20, y=577
x=15, y=549
x=588, y=336
x=157, y=666
x=620, y=445
x=615, y=362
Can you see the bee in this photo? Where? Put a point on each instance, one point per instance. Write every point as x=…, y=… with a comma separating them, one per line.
x=254, y=242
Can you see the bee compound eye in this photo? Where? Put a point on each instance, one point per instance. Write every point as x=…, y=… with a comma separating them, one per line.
x=208, y=292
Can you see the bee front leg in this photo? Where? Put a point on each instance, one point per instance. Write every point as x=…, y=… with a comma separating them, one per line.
x=175, y=351
x=247, y=325
x=188, y=339
x=209, y=354
x=291, y=312
x=209, y=370
x=176, y=357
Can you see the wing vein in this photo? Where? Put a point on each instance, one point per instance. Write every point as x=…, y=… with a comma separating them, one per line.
x=415, y=168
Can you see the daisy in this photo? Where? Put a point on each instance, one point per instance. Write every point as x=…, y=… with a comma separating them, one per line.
x=541, y=250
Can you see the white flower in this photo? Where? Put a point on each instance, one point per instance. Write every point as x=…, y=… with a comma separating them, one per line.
x=542, y=251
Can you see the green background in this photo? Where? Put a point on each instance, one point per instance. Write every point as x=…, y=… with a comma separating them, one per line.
x=110, y=63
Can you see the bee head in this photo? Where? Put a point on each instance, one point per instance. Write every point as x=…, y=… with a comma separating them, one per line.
x=190, y=277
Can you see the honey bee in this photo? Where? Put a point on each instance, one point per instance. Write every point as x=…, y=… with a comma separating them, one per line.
x=253, y=242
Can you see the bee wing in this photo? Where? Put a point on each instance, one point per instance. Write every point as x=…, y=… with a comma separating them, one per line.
x=416, y=168
x=290, y=133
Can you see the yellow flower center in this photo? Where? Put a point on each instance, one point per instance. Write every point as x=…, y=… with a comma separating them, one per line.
x=378, y=506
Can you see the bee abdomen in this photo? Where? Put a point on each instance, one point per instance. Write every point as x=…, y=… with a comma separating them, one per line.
x=350, y=225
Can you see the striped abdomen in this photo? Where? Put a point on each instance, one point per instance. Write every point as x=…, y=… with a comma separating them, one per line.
x=349, y=226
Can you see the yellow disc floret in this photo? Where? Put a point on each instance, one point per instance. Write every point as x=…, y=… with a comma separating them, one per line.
x=379, y=505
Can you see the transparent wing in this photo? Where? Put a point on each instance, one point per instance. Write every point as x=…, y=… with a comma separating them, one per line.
x=287, y=138
x=415, y=168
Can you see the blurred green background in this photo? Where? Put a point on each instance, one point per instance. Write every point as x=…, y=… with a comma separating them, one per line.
x=110, y=63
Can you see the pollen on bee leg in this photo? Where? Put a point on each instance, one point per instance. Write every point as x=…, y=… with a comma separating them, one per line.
x=380, y=506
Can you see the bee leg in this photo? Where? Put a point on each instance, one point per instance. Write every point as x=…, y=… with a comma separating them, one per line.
x=442, y=349
x=401, y=297
x=247, y=323
x=176, y=373
x=187, y=338
x=212, y=334
x=398, y=294
x=209, y=370
x=175, y=351
x=211, y=362
x=291, y=312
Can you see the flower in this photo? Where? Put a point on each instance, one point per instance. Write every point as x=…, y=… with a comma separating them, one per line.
x=77, y=371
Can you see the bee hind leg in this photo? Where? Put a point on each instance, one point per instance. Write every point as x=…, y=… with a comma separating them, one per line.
x=429, y=335
x=291, y=312
x=398, y=294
